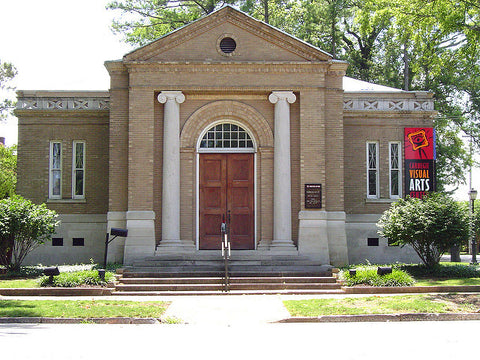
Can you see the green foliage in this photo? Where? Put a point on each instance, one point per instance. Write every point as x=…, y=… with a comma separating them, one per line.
x=23, y=227
x=443, y=270
x=431, y=226
x=143, y=21
x=77, y=278
x=112, y=267
x=8, y=171
x=29, y=272
x=7, y=73
x=368, y=276
x=476, y=220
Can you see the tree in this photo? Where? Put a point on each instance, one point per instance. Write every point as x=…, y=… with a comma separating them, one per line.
x=431, y=226
x=7, y=73
x=451, y=66
x=8, y=171
x=143, y=21
x=23, y=227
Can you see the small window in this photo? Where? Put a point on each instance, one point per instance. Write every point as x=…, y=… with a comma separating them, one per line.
x=395, y=170
x=78, y=242
x=78, y=170
x=55, y=177
x=372, y=170
x=372, y=241
x=57, y=241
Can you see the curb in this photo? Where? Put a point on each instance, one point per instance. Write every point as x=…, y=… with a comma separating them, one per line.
x=383, y=318
x=56, y=291
x=46, y=320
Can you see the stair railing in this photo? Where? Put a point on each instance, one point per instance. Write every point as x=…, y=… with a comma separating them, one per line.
x=226, y=249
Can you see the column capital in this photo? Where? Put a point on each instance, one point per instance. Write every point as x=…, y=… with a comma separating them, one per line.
x=165, y=96
x=276, y=96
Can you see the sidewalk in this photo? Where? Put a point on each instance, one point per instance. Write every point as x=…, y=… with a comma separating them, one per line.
x=228, y=310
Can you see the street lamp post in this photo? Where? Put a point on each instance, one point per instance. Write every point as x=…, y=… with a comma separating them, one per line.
x=473, y=195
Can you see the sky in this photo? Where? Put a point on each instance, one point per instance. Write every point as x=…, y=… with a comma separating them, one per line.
x=63, y=44
x=57, y=45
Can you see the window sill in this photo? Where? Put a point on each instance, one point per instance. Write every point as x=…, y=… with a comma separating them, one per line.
x=66, y=201
x=380, y=201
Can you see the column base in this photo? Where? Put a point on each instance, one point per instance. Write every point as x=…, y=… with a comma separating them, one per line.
x=175, y=246
x=283, y=247
x=116, y=219
x=140, y=242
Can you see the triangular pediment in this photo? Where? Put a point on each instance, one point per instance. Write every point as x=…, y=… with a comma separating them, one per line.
x=254, y=41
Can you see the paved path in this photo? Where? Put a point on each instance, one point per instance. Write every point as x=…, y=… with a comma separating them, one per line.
x=228, y=309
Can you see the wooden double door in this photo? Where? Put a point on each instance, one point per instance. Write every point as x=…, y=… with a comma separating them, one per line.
x=226, y=187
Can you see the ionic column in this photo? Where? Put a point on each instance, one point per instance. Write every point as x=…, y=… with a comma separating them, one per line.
x=171, y=167
x=282, y=197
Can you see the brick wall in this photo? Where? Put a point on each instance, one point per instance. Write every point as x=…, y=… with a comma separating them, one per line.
x=382, y=128
x=35, y=134
x=118, y=133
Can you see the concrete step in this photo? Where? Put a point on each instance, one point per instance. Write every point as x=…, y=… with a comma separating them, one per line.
x=232, y=292
x=172, y=280
x=235, y=255
x=233, y=280
x=213, y=285
x=220, y=287
x=167, y=287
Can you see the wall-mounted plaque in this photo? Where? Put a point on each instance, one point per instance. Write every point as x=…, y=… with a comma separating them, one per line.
x=313, y=196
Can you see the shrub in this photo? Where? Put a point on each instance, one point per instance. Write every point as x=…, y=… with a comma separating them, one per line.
x=23, y=227
x=368, y=276
x=77, y=278
x=431, y=226
x=454, y=271
x=30, y=272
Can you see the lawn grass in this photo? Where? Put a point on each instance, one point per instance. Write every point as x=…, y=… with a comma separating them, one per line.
x=382, y=305
x=19, y=283
x=82, y=308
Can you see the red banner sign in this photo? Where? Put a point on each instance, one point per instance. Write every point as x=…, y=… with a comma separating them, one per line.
x=419, y=144
x=420, y=158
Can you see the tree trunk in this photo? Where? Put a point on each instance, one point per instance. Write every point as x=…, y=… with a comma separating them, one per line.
x=265, y=11
x=406, y=72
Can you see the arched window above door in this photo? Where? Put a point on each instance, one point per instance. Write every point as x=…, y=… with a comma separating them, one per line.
x=227, y=136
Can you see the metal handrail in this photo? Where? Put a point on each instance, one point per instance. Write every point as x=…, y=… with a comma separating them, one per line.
x=226, y=250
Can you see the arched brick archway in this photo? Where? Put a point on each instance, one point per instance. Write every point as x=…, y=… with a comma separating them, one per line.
x=226, y=110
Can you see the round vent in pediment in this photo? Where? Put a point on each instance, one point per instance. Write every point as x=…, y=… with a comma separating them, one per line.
x=226, y=45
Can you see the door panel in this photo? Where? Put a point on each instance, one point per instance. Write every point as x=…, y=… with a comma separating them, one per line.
x=212, y=199
x=226, y=184
x=240, y=200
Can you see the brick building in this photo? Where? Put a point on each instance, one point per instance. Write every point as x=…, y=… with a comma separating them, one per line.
x=226, y=117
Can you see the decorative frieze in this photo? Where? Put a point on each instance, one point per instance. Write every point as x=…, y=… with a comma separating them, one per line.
x=55, y=103
x=372, y=104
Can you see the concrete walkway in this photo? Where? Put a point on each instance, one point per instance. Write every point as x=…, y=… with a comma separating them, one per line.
x=228, y=310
